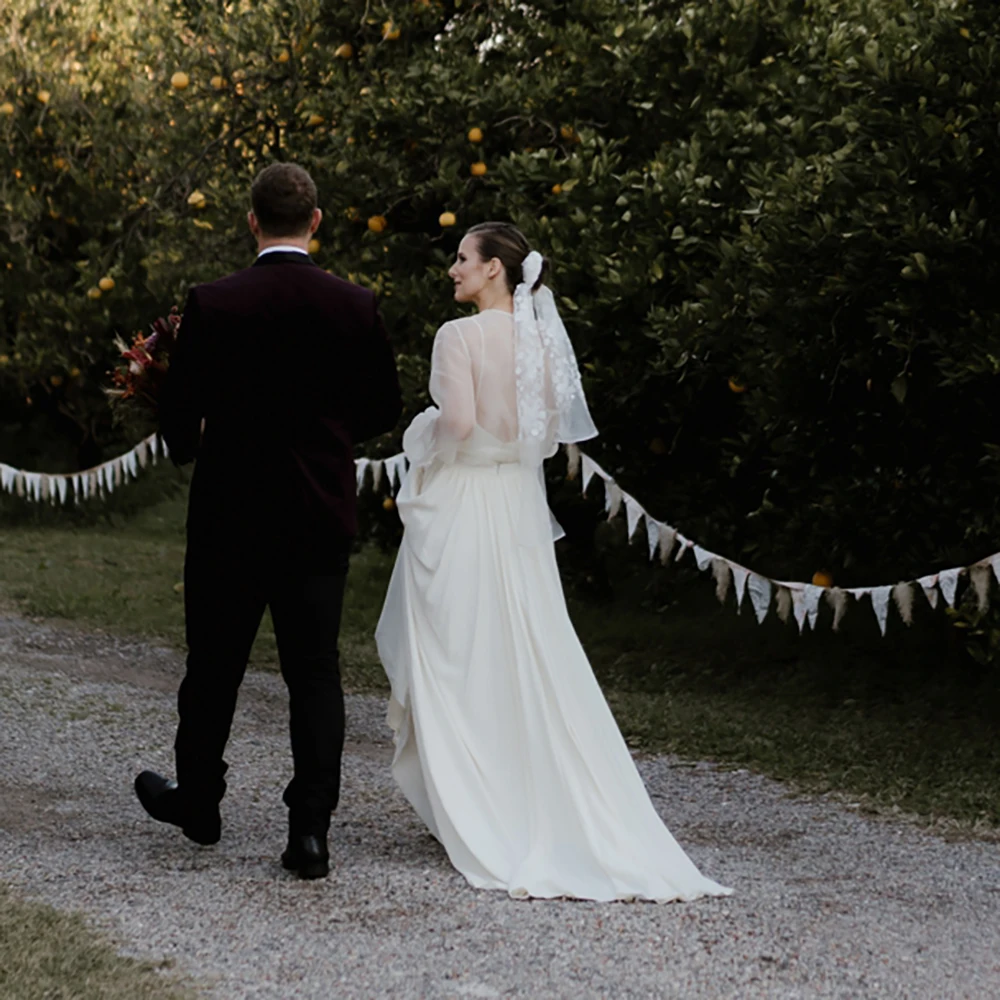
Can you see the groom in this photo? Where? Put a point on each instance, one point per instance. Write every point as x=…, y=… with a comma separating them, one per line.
x=278, y=371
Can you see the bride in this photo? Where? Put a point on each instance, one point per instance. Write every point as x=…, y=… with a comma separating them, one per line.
x=505, y=745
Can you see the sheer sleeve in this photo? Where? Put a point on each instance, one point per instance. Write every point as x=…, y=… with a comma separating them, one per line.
x=436, y=433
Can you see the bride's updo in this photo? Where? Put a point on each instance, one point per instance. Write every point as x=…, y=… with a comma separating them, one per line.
x=508, y=244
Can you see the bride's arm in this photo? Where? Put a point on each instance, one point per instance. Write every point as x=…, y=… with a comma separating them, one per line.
x=435, y=434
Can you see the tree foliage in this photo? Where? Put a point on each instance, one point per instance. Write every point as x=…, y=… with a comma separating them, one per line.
x=772, y=224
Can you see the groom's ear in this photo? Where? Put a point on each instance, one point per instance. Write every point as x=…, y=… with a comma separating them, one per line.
x=253, y=224
x=316, y=220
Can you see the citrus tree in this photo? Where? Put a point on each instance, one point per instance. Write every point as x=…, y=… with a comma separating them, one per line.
x=770, y=222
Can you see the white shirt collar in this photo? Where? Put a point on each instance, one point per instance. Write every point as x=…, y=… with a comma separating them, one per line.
x=283, y=248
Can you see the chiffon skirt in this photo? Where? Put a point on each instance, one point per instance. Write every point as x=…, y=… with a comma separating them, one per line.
x=504, y=744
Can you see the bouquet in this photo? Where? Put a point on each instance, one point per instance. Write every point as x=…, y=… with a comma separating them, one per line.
x=138, y=376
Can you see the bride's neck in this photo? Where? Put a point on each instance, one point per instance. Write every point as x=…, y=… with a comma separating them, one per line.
x=491, y=298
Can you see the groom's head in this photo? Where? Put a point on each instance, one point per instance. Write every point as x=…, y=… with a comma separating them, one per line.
x=283, y=197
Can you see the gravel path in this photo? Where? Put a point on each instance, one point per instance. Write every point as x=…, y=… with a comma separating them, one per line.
x=828, y=903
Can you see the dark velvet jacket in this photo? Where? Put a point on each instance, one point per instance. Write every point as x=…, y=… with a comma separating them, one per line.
x=289, y=367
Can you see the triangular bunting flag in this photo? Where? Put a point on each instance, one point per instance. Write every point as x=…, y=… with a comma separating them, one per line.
x=703, y=557
x=930, y=588
x=633, y=514
x=590, y=469
x=880, y=605
x=948, y=582
x=740, y=581
x=813, y=594
x=653, y=535
x=760, y=595
x=360, y=468
x=572, y=461
x=612, y=498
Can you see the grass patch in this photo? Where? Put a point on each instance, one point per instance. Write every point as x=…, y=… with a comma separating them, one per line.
x=907, y=722
x=48, y=955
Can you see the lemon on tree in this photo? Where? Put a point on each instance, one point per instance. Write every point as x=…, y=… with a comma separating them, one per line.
x=314, y=246
x=345, y=51
x=478, y=169
x=447, y=219
x=180, y=80
x=377, y=223
x=6, y=108
x=197, y=200
x=106, y=283
x=475, y=134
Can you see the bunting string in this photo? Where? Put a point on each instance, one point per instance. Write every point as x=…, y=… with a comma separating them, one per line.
x=87, y=484
x=787, y=598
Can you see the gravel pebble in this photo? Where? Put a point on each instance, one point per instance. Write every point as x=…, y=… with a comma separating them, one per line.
x=828, y=903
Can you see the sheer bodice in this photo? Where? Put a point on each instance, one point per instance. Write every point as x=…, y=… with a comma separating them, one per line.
x=474, y=387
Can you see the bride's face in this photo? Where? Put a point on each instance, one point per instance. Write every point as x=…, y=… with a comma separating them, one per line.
x=472, y=275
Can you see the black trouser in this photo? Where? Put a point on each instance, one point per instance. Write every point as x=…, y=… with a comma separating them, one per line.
x=224, y=601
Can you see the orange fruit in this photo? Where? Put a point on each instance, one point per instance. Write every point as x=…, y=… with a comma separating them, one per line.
x=55, y=381
x=478, y=169
x=218, y=82
x=388, y=503
x=197, y=200
x=93, y=293
x=180, y=81
x=283, y=56
x=475, y=135
x=106, y=284
x=314, y=246
x=446, y=219
x=315, y=120
x=44, y=96
x=737, y=387
x=6, y=108
x=389, y=31
x=557, y=188
x=821, y=578
x=345, y=51
x=377, y=223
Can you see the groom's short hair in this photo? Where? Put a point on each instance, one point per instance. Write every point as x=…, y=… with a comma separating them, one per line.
x=284, y=198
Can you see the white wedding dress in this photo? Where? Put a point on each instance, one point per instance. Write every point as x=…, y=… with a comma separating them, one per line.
x=505, y=745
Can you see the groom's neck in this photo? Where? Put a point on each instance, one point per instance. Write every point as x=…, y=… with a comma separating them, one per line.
x=264, y=242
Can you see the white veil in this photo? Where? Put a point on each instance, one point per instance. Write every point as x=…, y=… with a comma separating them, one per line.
x=551, y=405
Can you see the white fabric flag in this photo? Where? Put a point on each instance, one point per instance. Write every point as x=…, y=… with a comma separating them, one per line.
x=799, y=609
x=154, y=445
x=33, y=482
x=760, y=595
x=653, y=535
x=612, y=498
x=378, y=468
x=360, y=468
x=948, y=582
x=995, y=563
x=929, y=586
x=703, y=557
x=880, y=605
x=132, y=463
x=7, y=475
x=164, y=449
x=740, y=581
x=683, y=545
x=61, y=487
x=590, y=468
x=813, y=595
x=142, y=452
x=633, y=514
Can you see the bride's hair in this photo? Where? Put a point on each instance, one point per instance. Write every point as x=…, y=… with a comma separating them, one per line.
x=508, y=244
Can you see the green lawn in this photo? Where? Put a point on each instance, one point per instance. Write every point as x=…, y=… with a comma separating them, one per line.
x=47, y=955
x=906, y=722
